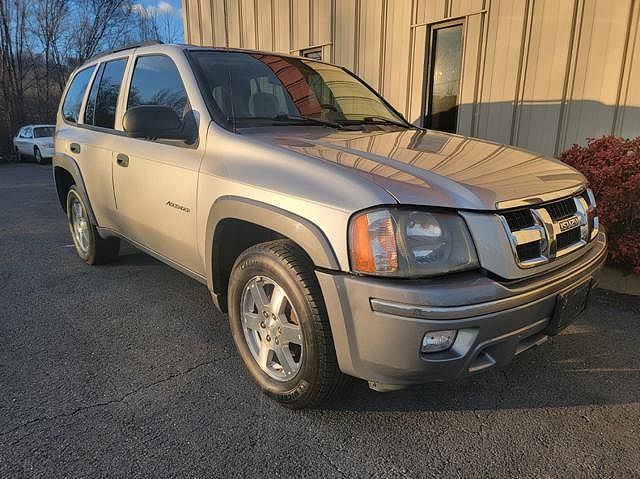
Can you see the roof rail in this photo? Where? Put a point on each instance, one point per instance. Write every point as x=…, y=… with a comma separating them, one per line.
x=128, y=46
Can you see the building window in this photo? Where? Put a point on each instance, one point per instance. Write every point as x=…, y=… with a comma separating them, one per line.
x=312, y=53
x=444, y=78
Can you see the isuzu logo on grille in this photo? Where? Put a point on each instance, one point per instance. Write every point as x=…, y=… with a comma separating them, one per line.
x=542, y=236
x=568, y=223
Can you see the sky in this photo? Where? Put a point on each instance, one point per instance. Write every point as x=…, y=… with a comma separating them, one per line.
x=171, y=8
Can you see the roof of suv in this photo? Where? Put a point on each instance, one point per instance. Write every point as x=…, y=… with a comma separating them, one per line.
x=166, y=46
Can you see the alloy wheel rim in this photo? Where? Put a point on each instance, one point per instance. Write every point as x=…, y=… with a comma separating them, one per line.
x=80, y=225
x=271, y=328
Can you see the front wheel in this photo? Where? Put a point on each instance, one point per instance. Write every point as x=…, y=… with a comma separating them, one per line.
x=280, y=325
x=89, y=245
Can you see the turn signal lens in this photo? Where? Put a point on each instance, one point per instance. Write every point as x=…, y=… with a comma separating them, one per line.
x=372, y=243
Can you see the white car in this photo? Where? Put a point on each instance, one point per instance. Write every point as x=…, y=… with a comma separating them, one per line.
x=34, y=141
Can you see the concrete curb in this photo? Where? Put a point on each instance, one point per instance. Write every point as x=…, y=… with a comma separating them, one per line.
x=619, y=281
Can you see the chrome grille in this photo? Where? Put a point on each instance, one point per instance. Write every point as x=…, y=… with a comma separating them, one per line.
x=543, y=232
x=561, y=209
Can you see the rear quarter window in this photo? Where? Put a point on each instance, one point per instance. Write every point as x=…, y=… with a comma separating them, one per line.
x=75, y=94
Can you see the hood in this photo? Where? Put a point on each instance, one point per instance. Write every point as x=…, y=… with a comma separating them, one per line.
x=432, y=168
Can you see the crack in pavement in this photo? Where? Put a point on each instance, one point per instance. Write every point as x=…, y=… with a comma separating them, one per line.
x=123, y=398
x=328, y=460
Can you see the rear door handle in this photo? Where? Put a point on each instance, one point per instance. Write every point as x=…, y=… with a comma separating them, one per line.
x=74, y=147
x=122, y=160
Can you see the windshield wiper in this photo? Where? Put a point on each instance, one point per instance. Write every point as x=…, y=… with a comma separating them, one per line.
x=379, y=120
x=288, y=119
x=309, y=119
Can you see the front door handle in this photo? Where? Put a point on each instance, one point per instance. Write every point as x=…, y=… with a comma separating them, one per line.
x=74, y=147
x=122, y=160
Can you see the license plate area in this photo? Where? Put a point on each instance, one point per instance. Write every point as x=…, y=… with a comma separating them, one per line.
x=569, y=306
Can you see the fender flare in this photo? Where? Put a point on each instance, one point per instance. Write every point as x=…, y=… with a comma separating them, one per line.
x=298, y=229
x=60, y=160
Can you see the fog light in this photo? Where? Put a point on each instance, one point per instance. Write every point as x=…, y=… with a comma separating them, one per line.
x=435, y=341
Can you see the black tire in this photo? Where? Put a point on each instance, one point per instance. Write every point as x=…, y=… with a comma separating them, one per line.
x=99, y=250
x=319, y=377
x=37, y=155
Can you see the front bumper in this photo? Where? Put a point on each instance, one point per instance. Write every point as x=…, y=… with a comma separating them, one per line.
x=495, y=320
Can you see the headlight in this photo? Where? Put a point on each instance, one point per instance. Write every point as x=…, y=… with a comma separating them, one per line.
x=409, y=243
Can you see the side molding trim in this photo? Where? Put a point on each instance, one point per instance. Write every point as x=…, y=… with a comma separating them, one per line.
x=106, y=233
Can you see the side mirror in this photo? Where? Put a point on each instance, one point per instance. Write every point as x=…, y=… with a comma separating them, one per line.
x=153, y=121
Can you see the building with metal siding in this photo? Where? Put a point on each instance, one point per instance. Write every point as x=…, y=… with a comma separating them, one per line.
x=540, y=74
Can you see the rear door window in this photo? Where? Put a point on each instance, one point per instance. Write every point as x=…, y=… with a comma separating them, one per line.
x=43, y=132
x=103, y=97
x=75, y=94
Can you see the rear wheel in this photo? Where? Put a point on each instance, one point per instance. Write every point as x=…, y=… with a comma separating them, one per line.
x=37, y=155
x=280, y=325
x=89, y=245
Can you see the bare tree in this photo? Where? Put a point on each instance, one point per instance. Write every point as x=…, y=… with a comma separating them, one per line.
x=50, y=19
x=42, y=41
x=13, y=45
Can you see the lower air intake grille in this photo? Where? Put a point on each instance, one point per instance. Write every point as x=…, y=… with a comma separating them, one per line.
x=528, y=251
x=568, y=238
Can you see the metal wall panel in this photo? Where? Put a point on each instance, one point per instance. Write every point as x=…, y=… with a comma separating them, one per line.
x=219, y=19
x=369, y=45
x=541, y=74
x=471, y=63
x=301, y=20
x=345, y=32
x=599, y=63
x=628, y=115
x=396, y=52
x=282, y=25
x=502, y=55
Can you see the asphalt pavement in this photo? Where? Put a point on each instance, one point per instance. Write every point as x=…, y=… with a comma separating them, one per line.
x=127, y=370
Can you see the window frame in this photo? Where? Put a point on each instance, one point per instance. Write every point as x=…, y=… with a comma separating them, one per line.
x=124, y=100
x=93, y=66
x=307, y=51
x=100, y=67
x=427, y=92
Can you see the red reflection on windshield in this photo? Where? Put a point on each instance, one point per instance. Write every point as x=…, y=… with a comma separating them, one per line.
x=294, y=82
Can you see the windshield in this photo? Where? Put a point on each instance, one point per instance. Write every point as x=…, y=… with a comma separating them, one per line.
x=43, y=131
x=257, y=89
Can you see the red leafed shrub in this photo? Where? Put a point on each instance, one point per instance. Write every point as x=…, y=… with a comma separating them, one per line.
x=612, y=166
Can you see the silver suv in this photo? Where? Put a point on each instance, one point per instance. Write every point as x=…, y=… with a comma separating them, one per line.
x=341, y=240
